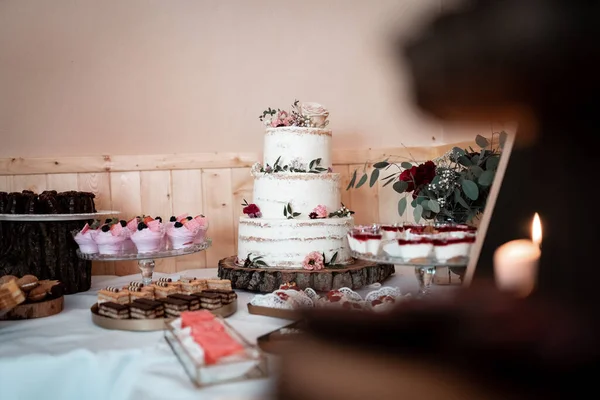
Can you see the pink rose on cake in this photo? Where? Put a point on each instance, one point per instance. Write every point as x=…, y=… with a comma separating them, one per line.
x=313, y=261
x=317, y=113
x=86, y=238
x=112, y=236
x=149, y=235
x=319, y=212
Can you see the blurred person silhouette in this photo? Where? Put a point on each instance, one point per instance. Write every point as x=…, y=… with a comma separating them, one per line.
x=534, y=62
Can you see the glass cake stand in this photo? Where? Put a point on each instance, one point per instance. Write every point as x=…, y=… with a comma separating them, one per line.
x=146, y=260
x=424, y=268
x=55, y=217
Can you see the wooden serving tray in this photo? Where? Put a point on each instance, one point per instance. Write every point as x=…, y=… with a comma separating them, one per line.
x=147, y=325
x=35, y=310
x=273, y=312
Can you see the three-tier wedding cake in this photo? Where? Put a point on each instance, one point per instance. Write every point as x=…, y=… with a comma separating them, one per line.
x=296, y=219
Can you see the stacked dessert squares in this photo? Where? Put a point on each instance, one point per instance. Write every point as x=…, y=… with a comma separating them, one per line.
x=164, y=298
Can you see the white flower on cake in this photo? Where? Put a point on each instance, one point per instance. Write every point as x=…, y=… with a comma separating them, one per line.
x=317, y=113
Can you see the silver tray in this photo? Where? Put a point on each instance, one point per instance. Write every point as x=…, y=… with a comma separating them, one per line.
x=146, y=325
x=163, y=253
x=55, y=217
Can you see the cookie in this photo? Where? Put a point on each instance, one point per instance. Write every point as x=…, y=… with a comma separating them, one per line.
x=37, y=294
x=27, y=283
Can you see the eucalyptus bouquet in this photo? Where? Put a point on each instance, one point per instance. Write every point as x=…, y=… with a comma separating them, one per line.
x=452, y=188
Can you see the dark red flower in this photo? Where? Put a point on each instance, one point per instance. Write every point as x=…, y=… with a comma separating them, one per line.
x=252, y=211
x=408, y=176
x=416, y=177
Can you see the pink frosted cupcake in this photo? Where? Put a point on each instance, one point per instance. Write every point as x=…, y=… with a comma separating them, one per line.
x=182, y=234
x=203, y=223
x=149, y=235
x=85, y=238
x=111, y=238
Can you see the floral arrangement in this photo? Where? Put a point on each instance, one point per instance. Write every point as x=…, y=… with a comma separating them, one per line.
x=341, y=213
x=296, y=165
x=251, y=210
x=452, y=188
x=308, y=115
x=254, y=262
x=319, y=212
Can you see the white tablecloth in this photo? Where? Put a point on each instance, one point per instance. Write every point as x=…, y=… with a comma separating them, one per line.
x=67, y=356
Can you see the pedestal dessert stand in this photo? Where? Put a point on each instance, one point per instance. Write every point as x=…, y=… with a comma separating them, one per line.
x=55, y=217
x=146, y=261
x=424, y=268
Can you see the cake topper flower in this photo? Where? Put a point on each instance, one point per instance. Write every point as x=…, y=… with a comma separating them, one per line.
x=307, y=115
x=319, y=212
x=317, y=113
x=313, y=261
x=251, y=210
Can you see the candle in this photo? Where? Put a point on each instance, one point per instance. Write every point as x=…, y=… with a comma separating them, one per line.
x=516, y=262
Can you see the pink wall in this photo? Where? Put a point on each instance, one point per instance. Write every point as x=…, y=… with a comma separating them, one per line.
x=182, y=76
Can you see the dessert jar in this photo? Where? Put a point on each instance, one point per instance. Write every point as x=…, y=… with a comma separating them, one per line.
x=365, y=240
x=447, y=247
x=413, y=248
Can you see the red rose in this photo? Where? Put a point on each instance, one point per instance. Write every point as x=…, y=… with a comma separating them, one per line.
x=408, y=176
x=251, y=209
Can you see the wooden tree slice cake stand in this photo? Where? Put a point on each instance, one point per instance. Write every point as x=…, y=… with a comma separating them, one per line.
x=35, y=310
x=266, y=280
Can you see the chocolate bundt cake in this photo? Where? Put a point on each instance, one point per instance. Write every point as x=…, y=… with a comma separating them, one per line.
x=47, y=202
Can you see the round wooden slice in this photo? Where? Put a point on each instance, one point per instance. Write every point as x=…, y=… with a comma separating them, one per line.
x=35, y=310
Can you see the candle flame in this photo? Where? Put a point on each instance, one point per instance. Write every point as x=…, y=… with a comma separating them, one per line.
x=536, y=230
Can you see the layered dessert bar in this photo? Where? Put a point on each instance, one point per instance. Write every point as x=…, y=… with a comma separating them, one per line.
x=174, y=307
x=209, y=301
x=224, y=284
x=192, y=301
x=163, y=289
x=113, y=310
x=146, y=310
x=192, y=285
x=227, y=296
x=113, y=294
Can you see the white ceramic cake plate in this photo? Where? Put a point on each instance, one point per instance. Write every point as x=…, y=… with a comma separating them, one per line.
x=146, y=325
x=424, y=268
x=55, y=217
x=146, y=260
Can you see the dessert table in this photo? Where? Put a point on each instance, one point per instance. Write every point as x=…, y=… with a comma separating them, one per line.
x=67, y=356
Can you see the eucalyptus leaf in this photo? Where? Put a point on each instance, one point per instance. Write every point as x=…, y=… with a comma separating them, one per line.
x=400, y=186
x=277, y=161
x=406, y=165
x=362, y=180
x=413, y=203
x=352, y=181
x=424, y=204
x=381, y=164
x=434, y=206
x=261, y=263
x=475, y=159
x=482, y=142
x=486, y=178
x=461, y=201
x=470, y=189
x=295, y=214
x=390, y=176
x=289, y=208
x=435, y=180
x=476, y=170
x=491, y=164
x=311, y=164
x=392, y=179
x=418, y=212
x=464, y=160
x=502, y=139
x=458, y=151
x=284, y=211
x=318, y=161
x=402, y=206
x=374, y=177
x=333, y=258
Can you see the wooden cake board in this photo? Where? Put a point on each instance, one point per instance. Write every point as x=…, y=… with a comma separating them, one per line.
x=265, y=280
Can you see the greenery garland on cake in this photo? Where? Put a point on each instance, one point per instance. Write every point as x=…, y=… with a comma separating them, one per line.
x=453, y=188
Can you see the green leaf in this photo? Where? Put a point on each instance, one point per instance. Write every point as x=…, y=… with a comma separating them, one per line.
x=390, y=176
x=502, y=139
x=434, y=206
x=284, y=211
x=406, y=165
x=486, y=178
x=333, y=258
x=295, y=214
x=311, y=164
x=458, y=198
x=475, y=159
x=381, y=164
x=400, y=186
x=458, y=151
x=392, y=179
x=362, y=180
x=261, y=263
x=289, y=208
x=318, y=161
x=424, y=204
x=374, y=177
x=470, y=189
x=463, y=160
x=418, y=212
x=476, y=170
x=491, y=164
x=482, y=142
x=402, y=206
x=435, y=180
x=413, y=203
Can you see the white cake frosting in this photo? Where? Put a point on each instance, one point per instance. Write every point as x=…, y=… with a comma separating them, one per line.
x=284, y=243
x=293, y=143
x=304, y=191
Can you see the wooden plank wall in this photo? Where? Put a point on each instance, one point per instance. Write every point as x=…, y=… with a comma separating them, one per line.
x=211, y=184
